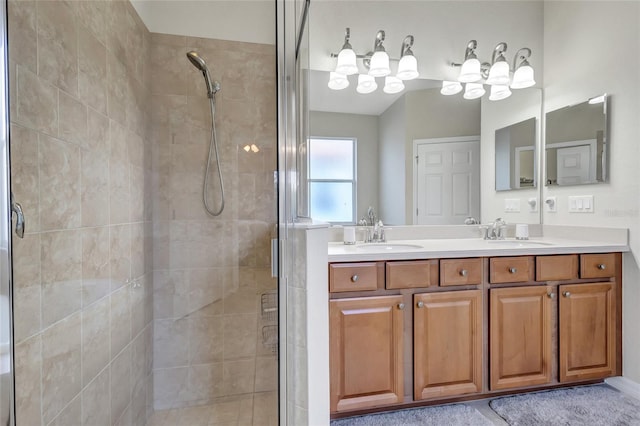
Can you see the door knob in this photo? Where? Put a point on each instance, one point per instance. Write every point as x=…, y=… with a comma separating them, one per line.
x=513, y=270
x=566, y=294
x=602, y=266
x=354, y=278
x=401, y=306
x=421, y=304
x=463, y=273
x=551, y=295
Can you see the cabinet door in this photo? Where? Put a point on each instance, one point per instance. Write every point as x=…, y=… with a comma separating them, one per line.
x=366, y=352
x=520, y=340
x=447, y=343
x=587, y=331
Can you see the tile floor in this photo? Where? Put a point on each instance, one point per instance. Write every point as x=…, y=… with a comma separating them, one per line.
x=259, y=409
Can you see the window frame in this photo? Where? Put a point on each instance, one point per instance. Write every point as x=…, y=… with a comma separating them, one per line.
x=353, y=181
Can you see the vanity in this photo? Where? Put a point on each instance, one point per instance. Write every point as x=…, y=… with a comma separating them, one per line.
x=419, y=322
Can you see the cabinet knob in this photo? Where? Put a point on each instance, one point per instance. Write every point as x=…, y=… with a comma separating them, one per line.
x=421, y=304
x=401, y=306
x=513, y=270
x=566, y=294
x=463, y=273
x=551, y=295
x=354, y=278
x=602, y=266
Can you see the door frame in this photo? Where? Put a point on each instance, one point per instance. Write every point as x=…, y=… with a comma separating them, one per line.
x=414, y=169
x=593, y=146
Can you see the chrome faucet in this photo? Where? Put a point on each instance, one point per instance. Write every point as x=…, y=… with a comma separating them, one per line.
x=374, y=228
x=495, y=230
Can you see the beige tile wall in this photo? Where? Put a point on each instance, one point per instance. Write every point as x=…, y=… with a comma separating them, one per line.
x=209, y=273
x=81, y=167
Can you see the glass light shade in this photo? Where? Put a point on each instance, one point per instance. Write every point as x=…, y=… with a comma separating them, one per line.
x=450, y=88
x=379, y=66
x=366, y=84
x=407, y=68
x=499, y=92
x=499, y=73
x=347, y=62
x=523, y=77
x=337, y=81
x=392, y=85
x=473, y=91
x=470, y=71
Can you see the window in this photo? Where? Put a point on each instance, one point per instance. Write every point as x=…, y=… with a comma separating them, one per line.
x=332, y=179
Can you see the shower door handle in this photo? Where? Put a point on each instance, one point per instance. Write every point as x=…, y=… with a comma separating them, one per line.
x=17, y=209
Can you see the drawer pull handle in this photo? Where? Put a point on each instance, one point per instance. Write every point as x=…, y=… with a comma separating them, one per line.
x=354, y=278
x=420, y=304
x=401, y=306
x=463, y=273
x=513, y=270
x=551, y=295
x=566, y=294
x=602, y=266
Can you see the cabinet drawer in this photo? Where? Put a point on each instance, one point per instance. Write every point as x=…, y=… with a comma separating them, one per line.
x=412, y=274
x=511, y=269
x=355, y=276
x=597, y=265
x=557, y=267
x=460, y=272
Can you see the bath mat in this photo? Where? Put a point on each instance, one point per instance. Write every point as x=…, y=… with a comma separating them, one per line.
x=442, y=415
x=588, y=405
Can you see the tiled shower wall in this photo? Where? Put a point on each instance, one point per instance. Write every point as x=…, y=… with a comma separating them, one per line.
x=81, y=168
x=210, y=272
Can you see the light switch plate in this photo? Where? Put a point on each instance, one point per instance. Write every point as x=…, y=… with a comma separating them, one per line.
x=512, y=205
x=581, y=204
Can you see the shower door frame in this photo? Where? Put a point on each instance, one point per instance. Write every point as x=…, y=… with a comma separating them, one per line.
x=7, y=395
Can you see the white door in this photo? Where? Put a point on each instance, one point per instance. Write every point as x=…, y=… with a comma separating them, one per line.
x=447, y=188
x=574, y=165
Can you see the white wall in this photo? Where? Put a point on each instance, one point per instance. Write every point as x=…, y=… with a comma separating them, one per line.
x=591, y=48
x=391, y=180
x=365, y=129
x=247, y=20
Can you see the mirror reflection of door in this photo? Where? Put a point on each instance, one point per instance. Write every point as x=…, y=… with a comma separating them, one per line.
x=447, y=188
x=574, y=166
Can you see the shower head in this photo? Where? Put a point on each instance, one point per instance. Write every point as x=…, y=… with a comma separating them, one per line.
x=199, y=63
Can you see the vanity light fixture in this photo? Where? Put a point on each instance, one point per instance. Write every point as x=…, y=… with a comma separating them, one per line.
x=377, y=64
x=523, y=72
x=473, y=91
x=499, y=71
x=496, y=74
x=337, y=81
x=347, y=57
x=408, y=66
x=450, y=88
x=597, y=99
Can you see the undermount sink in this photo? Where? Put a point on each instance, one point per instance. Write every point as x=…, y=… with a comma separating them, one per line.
x=519, y=243
x=387, y=247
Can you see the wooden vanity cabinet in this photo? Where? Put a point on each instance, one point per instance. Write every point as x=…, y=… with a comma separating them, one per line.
x=366, y=352
x=587, y=330
x=520, y=336
x=447, y=333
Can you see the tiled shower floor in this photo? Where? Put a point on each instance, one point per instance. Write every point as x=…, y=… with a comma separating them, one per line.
x=259, y=409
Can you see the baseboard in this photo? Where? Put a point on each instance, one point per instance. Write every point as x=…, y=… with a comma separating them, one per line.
x=625, y=385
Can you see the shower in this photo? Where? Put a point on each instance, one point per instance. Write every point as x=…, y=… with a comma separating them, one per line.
x=212, y=89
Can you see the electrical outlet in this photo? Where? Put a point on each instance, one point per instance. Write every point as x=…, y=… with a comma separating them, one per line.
x=551, y=204
x=581, y=204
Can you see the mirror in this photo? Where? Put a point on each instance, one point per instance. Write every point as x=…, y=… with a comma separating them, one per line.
x=392, y=131
x=577, y=144
x=515, y=156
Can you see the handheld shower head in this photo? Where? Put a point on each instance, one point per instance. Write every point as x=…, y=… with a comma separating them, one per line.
x=199, y=63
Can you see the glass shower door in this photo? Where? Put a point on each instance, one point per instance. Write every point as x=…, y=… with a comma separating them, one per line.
x=6, y=329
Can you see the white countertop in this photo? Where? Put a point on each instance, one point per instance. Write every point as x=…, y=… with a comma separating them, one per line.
x=467, y=247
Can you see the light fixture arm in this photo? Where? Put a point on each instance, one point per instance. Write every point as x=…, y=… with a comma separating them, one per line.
x=498, y=52
x=377, y=46
x=407, y=44
x=469, y=52
x=521, y=57
x=347, y=36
